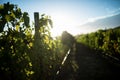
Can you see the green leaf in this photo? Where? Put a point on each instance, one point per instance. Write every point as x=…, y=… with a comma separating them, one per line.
x=7, y=17
x=26, y=19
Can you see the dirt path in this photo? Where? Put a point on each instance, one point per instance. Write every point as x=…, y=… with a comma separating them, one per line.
x=85, y=64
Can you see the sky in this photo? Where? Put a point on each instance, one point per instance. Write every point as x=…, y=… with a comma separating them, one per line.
x=68, y=14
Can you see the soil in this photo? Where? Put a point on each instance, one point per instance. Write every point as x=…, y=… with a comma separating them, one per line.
x=84, y=63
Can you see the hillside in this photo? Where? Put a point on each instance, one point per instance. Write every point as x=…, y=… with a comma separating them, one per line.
x=106, y=23
x=106, y=40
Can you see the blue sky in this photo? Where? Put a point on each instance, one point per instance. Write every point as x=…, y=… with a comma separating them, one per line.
x=67, y=14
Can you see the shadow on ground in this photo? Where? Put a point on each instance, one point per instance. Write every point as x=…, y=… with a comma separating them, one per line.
x=85, y=64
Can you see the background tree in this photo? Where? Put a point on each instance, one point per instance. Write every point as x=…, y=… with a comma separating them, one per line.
x=67, y=39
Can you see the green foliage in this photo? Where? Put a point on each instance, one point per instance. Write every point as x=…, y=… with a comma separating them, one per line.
x=10, y=15
x=24, y=56
x=14, y=45
x=26, y=19
x=106, y=40
x=44, y=49
x=67, y=39
x=14, y=57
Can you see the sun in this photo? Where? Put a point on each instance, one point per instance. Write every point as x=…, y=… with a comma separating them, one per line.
x=61, y=22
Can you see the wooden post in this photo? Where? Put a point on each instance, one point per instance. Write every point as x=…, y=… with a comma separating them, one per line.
x=36, y=19
x=38, y=56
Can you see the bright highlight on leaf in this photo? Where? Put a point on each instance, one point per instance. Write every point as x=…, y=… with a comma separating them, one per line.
x=17, y=27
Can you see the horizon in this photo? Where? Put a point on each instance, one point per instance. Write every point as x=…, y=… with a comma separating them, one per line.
x=68, y=15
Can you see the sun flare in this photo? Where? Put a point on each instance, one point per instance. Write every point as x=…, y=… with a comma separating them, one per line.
x=61, y=22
